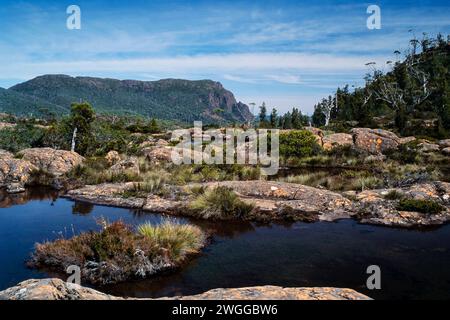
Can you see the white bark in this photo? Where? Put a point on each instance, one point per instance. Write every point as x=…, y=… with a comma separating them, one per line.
x=74, y=136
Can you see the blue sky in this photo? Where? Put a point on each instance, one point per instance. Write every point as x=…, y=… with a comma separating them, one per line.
x=286, y=53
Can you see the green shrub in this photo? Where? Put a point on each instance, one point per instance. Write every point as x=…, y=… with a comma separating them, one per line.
x=220, y=203
x=298, y=143
x=423, y=206
x=21, y=137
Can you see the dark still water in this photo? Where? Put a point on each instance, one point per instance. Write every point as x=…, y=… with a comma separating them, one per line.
x=414, y=264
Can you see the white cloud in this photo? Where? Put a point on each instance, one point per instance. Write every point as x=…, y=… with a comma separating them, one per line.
x=285, y=78
x=259, y=63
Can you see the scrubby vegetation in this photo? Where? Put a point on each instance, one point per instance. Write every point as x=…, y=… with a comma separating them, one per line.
x=343, y=181
x=220, y=203
x=423, y=206
x=411, y=98
x=118, y=253
x=298, y=143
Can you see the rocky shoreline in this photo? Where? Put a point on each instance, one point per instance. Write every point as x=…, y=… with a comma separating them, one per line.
x=274, y=201
x=56, y=289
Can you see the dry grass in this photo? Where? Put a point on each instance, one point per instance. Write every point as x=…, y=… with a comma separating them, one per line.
x=117, y=253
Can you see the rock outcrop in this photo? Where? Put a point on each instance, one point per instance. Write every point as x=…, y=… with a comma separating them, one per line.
x=54, y=162
x=428, y=147
x=109, y=194
x=337, y=139
x=274, y=201
x=375, y=208
x=374, y=141
x=130, y=165
x=112, y=157
x=56, y=289
x=15, y=173
x=158, y=154
x=281, y=200
x=5, y=154
x=444, y=143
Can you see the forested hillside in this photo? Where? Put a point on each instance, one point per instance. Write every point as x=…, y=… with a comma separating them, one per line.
x=410, y=95
x=170, y=99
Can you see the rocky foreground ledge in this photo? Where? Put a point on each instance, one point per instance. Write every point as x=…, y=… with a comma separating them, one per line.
x=56, y=289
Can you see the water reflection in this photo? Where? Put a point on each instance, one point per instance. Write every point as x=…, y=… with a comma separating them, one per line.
x=43, y=193
x=82, y=208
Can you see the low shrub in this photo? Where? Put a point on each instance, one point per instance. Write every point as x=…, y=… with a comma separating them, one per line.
x=423, y=206
x=298, y=143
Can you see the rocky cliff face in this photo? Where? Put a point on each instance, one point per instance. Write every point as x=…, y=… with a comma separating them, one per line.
x=56, y=289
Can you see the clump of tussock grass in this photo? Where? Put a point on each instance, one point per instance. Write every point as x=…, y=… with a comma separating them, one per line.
x=117, y=253
x=394, y=195
x=364, y=183
x=178, y=239
x=220, y=203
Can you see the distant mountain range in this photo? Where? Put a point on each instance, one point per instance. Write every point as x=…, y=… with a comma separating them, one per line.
x=171, y=99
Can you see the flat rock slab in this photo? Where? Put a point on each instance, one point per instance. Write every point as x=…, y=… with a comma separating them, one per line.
x=375, y=209
x=271, y=195
x=274, y=201
x=107, y=194
x=56, y=289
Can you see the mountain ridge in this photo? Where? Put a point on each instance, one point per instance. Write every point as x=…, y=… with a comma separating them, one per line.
x=171, y=99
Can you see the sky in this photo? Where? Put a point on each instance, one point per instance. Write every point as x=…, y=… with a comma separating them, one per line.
x=285, y=53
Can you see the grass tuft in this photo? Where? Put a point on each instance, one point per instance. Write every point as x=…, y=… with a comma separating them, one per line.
x=220, y=203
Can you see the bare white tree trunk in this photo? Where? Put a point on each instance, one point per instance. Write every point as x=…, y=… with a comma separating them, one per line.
x=74, y=136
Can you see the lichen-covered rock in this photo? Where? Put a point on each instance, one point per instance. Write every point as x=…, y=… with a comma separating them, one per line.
x=55, y=162
x=130, y=165
x=107, y=194
x=337, y=139
x=277, y=293
x=275, y=201
x=15, y=173
x=159, y=154
x=5, y=154
x=374, y=141
x=444, y=143
x=281, y=200
x=56, y=289
x=376, y=209
x=112, y=157
x=405, y=140
x=428, y=147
